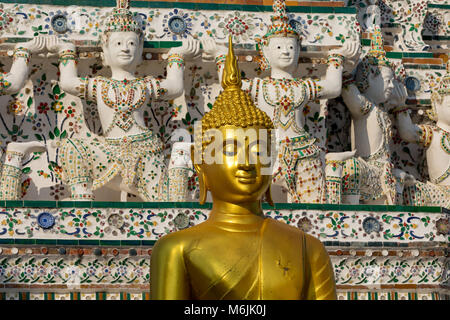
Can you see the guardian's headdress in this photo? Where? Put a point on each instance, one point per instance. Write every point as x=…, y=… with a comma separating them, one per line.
x=122, y=19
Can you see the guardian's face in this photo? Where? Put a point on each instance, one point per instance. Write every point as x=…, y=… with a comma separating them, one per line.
x=381, y=85
x=123, y=50
x=282, y=53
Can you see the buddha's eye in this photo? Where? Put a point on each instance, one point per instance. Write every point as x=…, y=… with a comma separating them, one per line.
x=230, y=149
x=255, y=149
x=291, y=47
x=119, y=43
x=279, y=47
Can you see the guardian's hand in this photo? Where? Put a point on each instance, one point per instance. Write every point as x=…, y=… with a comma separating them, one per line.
x=190, y=49
x=56, y=45
x=398, y=95
x=351, y=50
x=37, y=45
x=212, y=49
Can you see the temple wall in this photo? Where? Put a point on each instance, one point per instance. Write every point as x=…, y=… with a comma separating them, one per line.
x=101, y=250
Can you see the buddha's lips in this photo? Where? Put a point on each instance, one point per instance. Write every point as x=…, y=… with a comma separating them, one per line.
x=246, y=174
x=246, y=178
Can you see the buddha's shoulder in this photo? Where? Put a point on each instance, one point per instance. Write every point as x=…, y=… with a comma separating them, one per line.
x=282, y=227
x=286, y=230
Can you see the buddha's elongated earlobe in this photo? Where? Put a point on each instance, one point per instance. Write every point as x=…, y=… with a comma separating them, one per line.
x=201, y=178
x=202, y=187
x=269, y=195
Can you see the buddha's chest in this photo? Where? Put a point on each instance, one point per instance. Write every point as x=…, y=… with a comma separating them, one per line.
x=245, y=267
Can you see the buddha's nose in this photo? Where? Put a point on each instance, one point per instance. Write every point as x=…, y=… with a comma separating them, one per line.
x=247, y=164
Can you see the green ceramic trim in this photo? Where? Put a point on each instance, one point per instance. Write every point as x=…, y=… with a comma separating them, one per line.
x=418, y=55
x=195, y=205
x=24, y=241
x=25, y=295
x=110, y=243
x=52, y=242
x=89, y=242
x=425, y=66
x=64, y=242
x=422, y=102
x=187, y=5
x=14, y=204
x=435, y=38
x=130, y=242
x=391, y=25
x=366, y=42
x=100, y=295
x=439, y=6
x=400, y=55
x=344, y=207
x=371, y=244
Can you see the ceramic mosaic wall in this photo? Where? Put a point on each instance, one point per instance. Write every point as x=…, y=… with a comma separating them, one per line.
x=149, y=224
x=104, y=253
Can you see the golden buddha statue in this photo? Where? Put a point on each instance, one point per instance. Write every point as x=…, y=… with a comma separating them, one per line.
x=238, y=253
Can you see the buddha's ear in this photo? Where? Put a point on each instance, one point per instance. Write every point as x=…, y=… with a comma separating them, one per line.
x=268, y=196
x=201, y=177
x=203, y=188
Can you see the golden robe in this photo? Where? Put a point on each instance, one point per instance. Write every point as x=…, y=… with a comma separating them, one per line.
x=272, y=261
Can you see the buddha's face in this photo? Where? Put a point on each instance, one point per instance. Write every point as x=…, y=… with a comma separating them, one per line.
x=282, y=53
x=240, y=177
x=381, y=85
x=123, y=50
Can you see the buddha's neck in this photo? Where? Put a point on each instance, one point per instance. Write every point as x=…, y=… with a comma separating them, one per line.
x=236, y=217
x=121, y=74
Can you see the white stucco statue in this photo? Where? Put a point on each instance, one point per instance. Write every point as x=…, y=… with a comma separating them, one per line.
x=11, y=83
x=128, y=156
x=179, y=172
x=436, y=140
x=299, y=167
x=370, y=177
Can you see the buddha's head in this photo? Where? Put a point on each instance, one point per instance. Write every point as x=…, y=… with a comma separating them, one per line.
x=233, y=146
x=375, y=74
x=440, y=99
x=122, y=39
x=280, y=47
